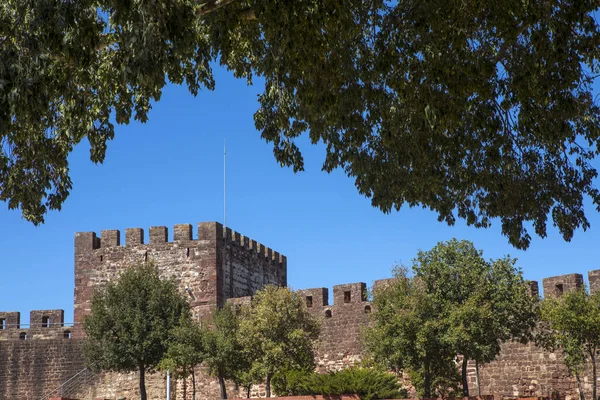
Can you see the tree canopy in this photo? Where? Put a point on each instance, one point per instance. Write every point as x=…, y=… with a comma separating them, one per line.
x=278, y=333
x=408, y=336
x=572, y=323
x=223, y=354
x=456, y=303
x=484, y=303
x=132, y=322
x=478, y=111
x=185, y=350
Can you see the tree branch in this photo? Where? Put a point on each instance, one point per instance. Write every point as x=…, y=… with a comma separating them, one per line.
x=212, y=5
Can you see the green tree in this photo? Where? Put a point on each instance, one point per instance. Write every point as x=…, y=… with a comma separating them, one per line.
x=222, y=347
x=484, y=303
x=185, y=351
x=455, y=304
x=278, y=333
x=572, y=323
x=476, y=111
x=131, y=322
x=244, y=377
x=408, y=334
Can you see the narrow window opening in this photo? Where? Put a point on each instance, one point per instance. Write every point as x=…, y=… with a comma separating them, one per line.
x=559, y=289
x=309, y=301
x=101, y=258
x=328, y=314
x=23, y=336
x=145, y=256
x=67, y=334
x=187, y=252
x=2, y=323
x=45, y=322
x=367, y=309
x=347, y=296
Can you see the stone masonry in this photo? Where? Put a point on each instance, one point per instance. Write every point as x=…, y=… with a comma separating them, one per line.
x=217, y=266
x=339, y=344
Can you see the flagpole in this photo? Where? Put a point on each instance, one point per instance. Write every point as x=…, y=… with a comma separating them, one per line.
x=224, y=183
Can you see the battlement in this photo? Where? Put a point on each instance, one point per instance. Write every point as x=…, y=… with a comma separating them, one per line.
x=347, y=293
x=356, y=293
x=44, y=324
x=86, y=242
x=556, y=286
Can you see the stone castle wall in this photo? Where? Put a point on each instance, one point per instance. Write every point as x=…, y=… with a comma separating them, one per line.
x=220, y=265
x=339, y=343
x=527, y=370
x=29, y=368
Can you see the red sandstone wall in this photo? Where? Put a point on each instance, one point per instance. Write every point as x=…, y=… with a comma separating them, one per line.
x=525, y=370
x=247, y=266
x=341, y=323
x=31, y=368
x=192, y=262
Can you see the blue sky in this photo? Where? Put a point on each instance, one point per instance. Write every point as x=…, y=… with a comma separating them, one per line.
x=170, y=171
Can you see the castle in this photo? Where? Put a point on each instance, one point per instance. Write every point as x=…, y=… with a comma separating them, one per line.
x=216, y=265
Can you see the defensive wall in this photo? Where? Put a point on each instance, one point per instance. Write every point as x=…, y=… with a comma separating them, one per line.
x=214, y=265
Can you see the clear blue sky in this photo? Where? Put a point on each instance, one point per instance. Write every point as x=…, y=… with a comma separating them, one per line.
x=170, y=171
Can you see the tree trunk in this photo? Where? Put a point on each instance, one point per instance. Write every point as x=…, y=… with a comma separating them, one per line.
x=185, y=378
x=477, y=377
x=248, y=391
x=268, y=385
x=142, y=383
x=222, y=386
x=594, y=372
x=578, y=378
x=427, y=384
x=465, y=382
x=193, y=384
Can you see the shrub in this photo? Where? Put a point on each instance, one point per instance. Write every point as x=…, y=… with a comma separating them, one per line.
x=368, y=384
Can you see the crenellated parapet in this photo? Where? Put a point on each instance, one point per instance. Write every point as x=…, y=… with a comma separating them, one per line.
x=349, y=301
x=10, y=320
x=44, y=324
x=244, y=242
x=110, y=240
x=341, y=321
x=556, y=286
x=86, y=242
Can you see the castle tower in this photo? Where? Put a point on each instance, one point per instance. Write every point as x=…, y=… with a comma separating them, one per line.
x=219, y=264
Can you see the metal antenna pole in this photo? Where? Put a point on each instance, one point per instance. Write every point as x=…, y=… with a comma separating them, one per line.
x=224, y=183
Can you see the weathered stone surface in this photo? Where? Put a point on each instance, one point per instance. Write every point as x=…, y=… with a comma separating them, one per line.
x=31, y=368
x=557, y=285
x=339, y=343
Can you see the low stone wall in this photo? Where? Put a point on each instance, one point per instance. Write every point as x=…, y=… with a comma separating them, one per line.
x=317, y=397
x=356, y=397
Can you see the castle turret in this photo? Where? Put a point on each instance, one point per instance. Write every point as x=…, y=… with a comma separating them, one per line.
x=218, y=265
